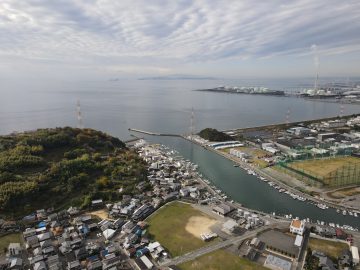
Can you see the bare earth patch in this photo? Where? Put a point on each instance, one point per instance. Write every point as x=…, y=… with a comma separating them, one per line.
x=342, y=193
x=197, y=225
x=102, y=214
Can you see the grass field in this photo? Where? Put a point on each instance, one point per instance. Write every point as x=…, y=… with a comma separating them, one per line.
x=168, y=226
x=323, y=167
x=219, y=260
x=331, y=248
x=7, y=239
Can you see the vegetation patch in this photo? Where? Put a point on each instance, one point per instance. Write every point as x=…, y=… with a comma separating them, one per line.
x=345, y=192
x=219, y=260
x=5, y=240
x=213, y=135
x=257, y=155
x=334, y=171
x=330, y=248
x=323, y=167
x=168, y=226
x=64, y=166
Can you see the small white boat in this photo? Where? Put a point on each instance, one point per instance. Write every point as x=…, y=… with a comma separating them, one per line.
x=321, y=206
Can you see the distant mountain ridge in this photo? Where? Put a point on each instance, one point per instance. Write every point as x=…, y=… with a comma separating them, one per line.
x=179, y=77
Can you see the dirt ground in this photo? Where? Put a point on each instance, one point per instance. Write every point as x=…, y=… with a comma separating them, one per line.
x=197, y=225
x=344, y=192
x=102, y=214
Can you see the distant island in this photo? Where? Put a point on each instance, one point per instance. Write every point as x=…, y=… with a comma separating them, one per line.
x=62, y=167
x=245, y=90
x=179, y=77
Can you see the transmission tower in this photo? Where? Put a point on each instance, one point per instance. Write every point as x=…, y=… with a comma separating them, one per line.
x=192, y=123
x=79, y=115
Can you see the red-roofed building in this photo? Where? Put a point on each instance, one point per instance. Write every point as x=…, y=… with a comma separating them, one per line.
x=297, y=226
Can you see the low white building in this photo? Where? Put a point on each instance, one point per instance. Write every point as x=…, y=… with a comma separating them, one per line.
x=298, y=241
x=229, y=226
x=108, y=233
x=14, y=249
x=269, y=147
x=355, y=255
x=297, y=226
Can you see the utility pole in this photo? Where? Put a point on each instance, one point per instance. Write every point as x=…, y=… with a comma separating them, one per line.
x=79, y=115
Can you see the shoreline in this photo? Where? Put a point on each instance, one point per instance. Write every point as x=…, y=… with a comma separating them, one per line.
x=221, y=196
x=261, y=172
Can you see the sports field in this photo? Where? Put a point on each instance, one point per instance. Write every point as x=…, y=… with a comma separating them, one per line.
x=335, y=171
x=323, y=167
x=219, y=260
x=177, y=226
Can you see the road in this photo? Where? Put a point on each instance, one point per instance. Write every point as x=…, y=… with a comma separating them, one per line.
x=271, y=177
x=205, y=250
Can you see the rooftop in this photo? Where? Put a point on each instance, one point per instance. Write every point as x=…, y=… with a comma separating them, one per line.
x=296, y=223
x=275, y=262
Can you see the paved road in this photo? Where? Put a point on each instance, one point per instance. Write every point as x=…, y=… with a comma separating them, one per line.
x=273, y=178
x=202, y=251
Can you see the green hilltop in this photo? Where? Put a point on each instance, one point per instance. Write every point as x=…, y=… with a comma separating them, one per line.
x=64, y=166
x=213, y=135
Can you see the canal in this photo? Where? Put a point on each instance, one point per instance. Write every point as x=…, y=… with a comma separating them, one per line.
x=248, y=189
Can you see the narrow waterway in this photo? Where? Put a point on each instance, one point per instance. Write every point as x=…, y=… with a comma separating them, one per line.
x=247, y=189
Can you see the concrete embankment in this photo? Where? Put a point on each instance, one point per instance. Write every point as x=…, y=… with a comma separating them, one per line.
x=286, y=125
x=270, y=177
x=153, y=133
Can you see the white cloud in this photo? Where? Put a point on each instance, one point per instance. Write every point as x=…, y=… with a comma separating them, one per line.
x=169, y=33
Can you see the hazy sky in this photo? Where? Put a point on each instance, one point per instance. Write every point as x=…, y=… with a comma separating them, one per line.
x=110, y=38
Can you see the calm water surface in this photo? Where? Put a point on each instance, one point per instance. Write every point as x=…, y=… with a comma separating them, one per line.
x=165, y=106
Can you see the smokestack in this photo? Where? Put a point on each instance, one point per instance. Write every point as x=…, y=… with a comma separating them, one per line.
x=316, y=64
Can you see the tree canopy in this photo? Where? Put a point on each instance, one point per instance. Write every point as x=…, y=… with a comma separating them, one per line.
x=64, y=166
x=214, y=135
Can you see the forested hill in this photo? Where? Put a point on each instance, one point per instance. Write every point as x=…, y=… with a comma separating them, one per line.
x=213, y=135
x=62, y=167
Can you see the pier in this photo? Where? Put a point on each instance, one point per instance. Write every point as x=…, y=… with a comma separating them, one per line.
x=153, y=133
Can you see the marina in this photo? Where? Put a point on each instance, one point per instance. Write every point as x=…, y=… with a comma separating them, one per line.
x=247, y=188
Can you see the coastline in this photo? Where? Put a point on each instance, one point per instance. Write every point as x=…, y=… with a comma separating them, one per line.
x=261, y=172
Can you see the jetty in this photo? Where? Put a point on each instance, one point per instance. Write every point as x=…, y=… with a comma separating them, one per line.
x=153, y=133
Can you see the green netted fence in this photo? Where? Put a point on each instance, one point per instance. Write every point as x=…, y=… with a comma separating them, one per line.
x=347, y=174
